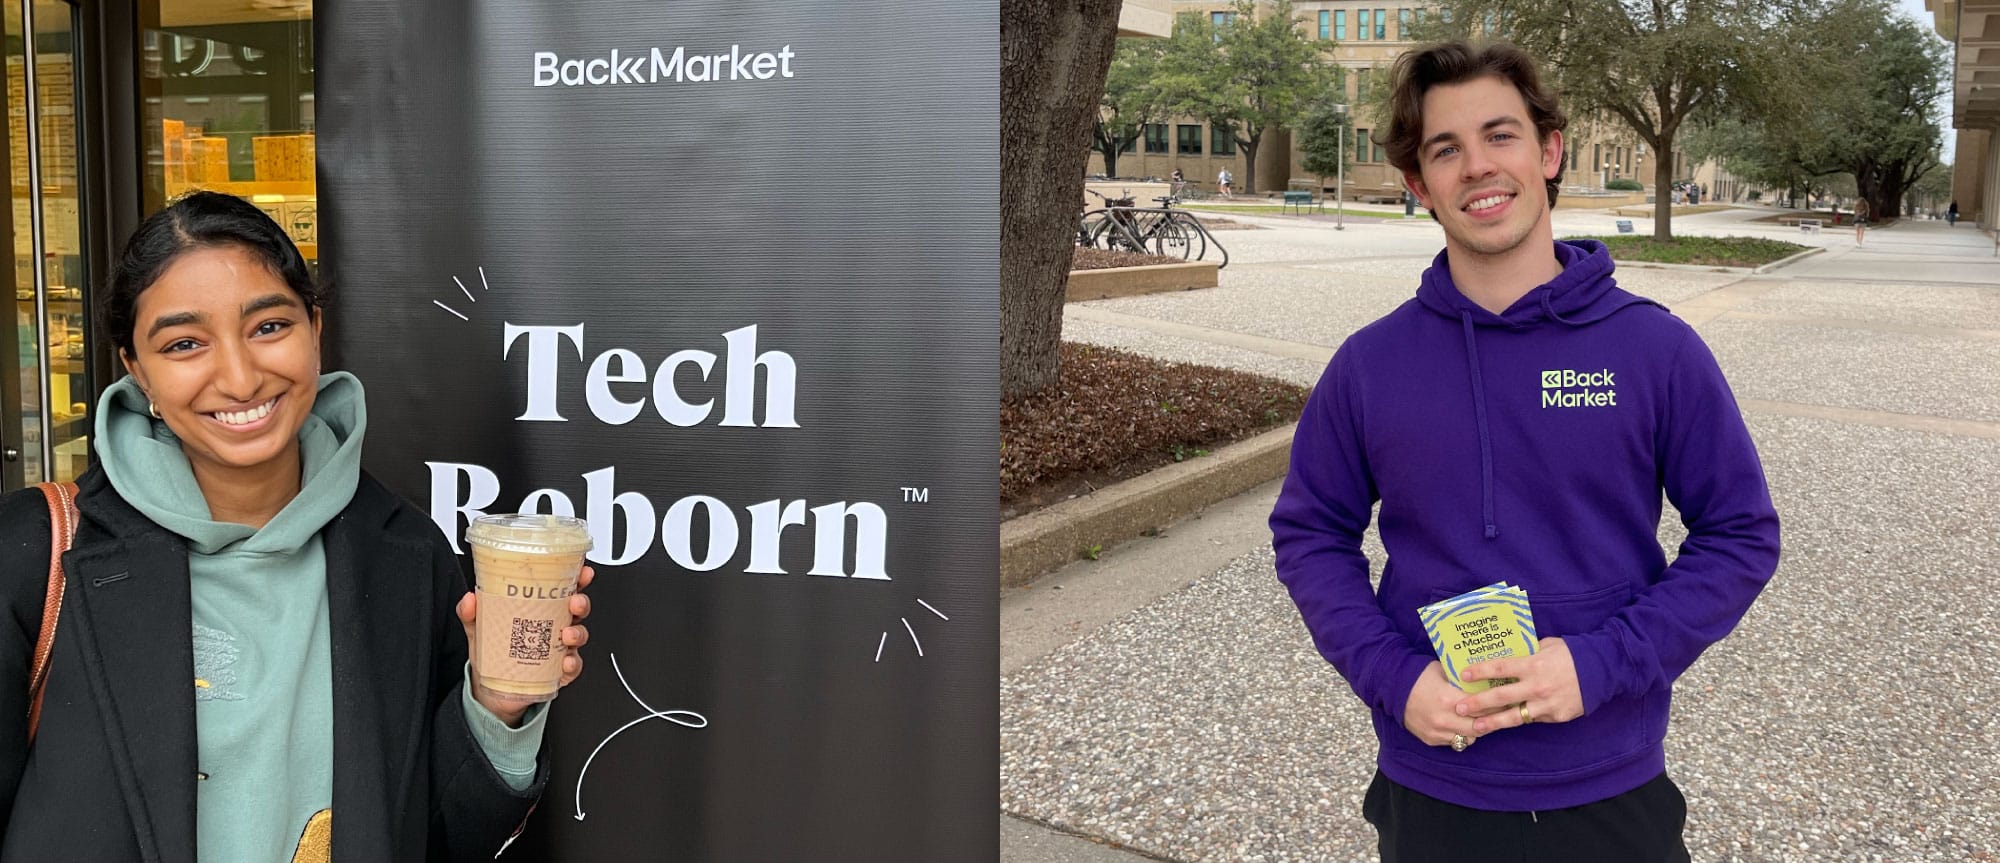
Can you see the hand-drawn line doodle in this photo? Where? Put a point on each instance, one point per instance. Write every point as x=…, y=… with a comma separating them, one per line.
x=674, y=716
x=884, y=640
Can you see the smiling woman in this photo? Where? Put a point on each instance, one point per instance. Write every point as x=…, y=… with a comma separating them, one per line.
x=249, y=588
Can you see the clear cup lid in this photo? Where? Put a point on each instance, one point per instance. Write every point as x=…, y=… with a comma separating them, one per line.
x=530, y=533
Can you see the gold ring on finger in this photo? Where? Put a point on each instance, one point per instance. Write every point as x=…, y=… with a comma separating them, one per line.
x=1525, y=718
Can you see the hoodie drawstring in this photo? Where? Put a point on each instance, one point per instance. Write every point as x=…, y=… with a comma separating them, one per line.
x=1550, y=310
x=1479, y=410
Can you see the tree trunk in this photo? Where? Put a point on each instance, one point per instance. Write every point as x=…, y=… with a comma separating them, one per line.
x=1249, y=146
x=1107, y=145
x=1053, y=58
x=1663, y=193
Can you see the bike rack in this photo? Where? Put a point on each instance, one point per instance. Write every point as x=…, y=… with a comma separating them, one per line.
x=1208, y=237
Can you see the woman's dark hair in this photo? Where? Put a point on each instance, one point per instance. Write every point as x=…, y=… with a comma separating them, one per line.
x=201, y=220
x=1455, y=63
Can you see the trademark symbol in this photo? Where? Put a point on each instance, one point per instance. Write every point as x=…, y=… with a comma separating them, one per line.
x=916, y=495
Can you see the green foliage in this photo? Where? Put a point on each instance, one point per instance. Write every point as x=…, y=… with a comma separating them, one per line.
x=1324, y=135
x=1703, y=251
x=1857, y=103
x=1131, y=98
x=1625, y=185
x=1254, y=74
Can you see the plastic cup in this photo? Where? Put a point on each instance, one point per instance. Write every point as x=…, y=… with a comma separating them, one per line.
x=525, y=568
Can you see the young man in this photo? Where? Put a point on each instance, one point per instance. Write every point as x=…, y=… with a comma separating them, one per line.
x=1518, y=421
x=1223, y=181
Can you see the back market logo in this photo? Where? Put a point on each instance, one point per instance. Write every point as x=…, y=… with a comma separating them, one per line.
x=657, y=65
x=1567, y=388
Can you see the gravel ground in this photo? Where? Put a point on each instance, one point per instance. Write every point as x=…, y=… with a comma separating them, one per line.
x=1205, y=728
x=1908, y=373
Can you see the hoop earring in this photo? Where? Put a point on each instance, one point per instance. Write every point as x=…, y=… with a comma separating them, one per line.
x=153, y=409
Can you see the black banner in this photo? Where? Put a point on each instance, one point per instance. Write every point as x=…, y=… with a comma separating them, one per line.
x=721, y=278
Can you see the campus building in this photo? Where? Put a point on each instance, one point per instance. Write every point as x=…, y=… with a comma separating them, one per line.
x=1973, y=29
x=1368, y=35
x=112, y=109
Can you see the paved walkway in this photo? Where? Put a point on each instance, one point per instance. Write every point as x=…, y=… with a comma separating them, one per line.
x=1165, y=703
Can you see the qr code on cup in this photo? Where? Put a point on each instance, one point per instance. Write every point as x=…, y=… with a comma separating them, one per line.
x=530, y=640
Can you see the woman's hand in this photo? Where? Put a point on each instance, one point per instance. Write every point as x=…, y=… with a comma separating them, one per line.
x=574, y=637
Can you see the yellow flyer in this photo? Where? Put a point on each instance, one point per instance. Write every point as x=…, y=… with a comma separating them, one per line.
x=1489, y=623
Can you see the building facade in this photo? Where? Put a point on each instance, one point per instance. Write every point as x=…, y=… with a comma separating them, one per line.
x=1368, y=36
x=1973, y=29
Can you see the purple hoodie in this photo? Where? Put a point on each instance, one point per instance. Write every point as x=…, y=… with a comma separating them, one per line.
x=1530, y=447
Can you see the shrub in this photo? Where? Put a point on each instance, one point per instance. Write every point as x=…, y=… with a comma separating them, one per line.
x=1623, y=185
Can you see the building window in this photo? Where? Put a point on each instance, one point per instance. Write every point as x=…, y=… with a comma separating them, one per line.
x=1190, y=139
x=1363, y=84
x=1340, y=25
x=1156, y=137
x=1379, y=155
x=1403, y=24
x=1325, y=24
x=1361, y=145
x=1445, y=13
x=1381, y=24
x=1221, y=19
x=1363, y=25
x=1130, y=143
x=1222, y=140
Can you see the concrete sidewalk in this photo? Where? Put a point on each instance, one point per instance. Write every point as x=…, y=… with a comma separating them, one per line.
x=1164, y=702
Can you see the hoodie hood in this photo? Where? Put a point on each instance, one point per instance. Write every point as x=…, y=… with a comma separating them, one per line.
x=143, y=460
x=1583, y=293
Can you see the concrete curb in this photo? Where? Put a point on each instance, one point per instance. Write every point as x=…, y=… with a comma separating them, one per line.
x=1045, y=539
x=1781, y=262
x=1112, y=282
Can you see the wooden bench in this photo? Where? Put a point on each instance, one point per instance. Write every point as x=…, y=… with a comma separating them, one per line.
x=1302, y=200
x=1379, y=199
x=1808, y=226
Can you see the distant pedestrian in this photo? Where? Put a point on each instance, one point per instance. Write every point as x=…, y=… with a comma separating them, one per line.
x=1179, y=181
x=1224, y=180
x=1861, y=214
x=1951, y=214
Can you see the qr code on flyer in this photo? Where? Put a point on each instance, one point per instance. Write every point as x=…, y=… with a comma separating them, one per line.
x=530, y=639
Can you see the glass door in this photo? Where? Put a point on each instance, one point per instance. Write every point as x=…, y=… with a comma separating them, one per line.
x=44, y=351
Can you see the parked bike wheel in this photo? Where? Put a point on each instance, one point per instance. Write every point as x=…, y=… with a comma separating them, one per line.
x=1193, y=237
x=1171, y=238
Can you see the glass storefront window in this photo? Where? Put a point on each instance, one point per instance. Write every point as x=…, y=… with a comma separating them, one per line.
x=227, y=106
x=44, y=352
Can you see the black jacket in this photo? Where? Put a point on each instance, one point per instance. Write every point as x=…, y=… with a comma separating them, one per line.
x=111, y=775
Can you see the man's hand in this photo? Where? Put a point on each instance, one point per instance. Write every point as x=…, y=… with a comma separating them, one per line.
x=1431, y=713
x=574, y=637
x=1546, y=687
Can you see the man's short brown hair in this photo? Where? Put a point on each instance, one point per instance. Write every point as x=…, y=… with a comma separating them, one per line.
x=1456, y=62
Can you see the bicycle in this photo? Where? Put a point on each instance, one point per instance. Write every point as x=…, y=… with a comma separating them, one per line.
x=1120, y=226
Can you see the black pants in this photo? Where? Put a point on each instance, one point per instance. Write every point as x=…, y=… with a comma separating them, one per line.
x=1639, y=826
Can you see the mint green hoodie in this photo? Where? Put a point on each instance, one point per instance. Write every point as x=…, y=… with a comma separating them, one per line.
x=262, y=651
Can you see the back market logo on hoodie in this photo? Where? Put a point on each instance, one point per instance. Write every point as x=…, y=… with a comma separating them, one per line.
x=1567, y=388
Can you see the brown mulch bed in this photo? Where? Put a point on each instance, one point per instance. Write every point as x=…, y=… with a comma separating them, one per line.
x=1115, y=415
x=1105, y=259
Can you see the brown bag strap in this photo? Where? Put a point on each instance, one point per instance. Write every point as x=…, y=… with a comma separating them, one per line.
x=62, y=531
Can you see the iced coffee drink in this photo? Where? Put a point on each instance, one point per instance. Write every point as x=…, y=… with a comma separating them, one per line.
x=526, y=567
